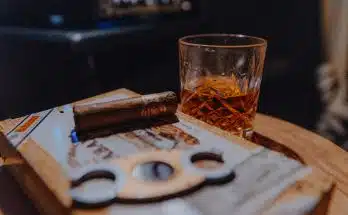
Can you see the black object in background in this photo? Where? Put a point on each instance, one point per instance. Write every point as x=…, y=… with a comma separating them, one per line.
x=93, y=14
x=55, y=52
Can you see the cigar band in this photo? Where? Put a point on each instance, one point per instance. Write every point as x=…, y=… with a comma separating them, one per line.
x=153, y=111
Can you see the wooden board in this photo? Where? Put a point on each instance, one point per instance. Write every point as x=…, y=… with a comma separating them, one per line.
x=46, y=183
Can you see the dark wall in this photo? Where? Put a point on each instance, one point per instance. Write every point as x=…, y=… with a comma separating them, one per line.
x=148, y=62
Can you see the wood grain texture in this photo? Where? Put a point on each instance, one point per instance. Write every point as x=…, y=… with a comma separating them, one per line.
x=328, y=160
x=12, y=199
x=316, y=151
x=6, y=125
x=45, y=199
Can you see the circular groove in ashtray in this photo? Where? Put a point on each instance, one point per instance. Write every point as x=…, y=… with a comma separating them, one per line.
x=153, y=171
x=207, y=160
x=99, y=174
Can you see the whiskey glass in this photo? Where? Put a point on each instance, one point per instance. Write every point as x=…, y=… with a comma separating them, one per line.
x=220, y=77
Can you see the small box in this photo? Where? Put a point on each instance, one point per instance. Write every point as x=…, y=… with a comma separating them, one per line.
x=179, y=167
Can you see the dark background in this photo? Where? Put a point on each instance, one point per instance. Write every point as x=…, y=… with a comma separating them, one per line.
x=42, y=67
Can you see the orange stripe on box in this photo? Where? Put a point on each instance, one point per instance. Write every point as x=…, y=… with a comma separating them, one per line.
x=27, y=124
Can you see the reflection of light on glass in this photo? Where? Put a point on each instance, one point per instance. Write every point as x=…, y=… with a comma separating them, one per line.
x=150, y=2
x=240, y=62
x=186, y=6
x=134, y=1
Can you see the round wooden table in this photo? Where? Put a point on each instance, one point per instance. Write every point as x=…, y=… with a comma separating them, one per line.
x=315, y=151
x=311, y=148
x=12, y=199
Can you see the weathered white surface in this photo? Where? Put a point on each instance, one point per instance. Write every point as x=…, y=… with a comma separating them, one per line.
x=251, y=193
x=261, y=175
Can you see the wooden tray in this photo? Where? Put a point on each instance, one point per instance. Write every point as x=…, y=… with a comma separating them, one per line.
x=46, y=183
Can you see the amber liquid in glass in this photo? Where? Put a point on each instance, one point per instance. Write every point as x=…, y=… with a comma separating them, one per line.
x=219, y=101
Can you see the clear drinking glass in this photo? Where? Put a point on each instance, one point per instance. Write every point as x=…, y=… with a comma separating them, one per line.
x=220, y=79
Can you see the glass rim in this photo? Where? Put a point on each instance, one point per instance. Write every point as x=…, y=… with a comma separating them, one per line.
x=260, y=41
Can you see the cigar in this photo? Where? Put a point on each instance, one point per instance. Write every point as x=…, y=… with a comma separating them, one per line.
x=98, y=115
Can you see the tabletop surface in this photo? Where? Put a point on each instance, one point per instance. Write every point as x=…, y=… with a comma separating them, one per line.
x=311, y=148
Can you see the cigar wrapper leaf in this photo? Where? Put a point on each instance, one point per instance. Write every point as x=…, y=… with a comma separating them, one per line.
x=93, y=116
